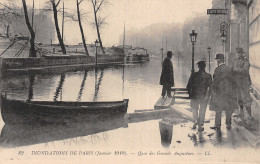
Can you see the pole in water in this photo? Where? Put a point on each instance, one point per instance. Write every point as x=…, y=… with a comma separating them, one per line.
x=96, y=56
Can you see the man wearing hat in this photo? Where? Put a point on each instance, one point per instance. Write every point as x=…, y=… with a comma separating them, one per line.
x=198, y=88
x=167, y=79
x=223, y=93
x=241, y=75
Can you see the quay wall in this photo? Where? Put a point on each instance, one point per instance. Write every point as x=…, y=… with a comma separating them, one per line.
x=20, y=63
x=254, y=51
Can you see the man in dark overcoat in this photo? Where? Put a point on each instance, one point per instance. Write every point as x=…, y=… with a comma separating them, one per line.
x=198, y=88
x=242, y=78
x=167, y=76
x=223, y=93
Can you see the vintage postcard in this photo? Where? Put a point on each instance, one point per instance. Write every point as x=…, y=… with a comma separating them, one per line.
x=129, y=81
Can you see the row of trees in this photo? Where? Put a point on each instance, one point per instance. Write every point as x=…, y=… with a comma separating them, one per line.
x=9, y=12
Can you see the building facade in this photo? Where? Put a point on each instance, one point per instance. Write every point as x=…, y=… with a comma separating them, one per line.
x=254, y=53
x=243, y=21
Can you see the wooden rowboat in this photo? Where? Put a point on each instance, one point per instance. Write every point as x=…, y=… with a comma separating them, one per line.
x=20, y=111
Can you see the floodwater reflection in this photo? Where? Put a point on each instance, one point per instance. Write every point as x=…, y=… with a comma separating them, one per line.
x=137, y=82
x=59, y=88
x=16, y=135
x=82, y=85
x=166, y=133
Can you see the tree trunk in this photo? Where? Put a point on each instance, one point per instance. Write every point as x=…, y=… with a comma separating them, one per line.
x=32, y=49
x=57, y=28
x=81, y=30
x=98, y=33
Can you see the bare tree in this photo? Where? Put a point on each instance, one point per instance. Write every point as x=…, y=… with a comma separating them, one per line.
x=9, y=12
x=80, y=27
x=97, y=7
x=32, y=49
x=55, y=14
x=78, y=18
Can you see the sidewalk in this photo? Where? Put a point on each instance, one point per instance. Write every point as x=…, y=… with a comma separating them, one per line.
x=236, y=137
x=178, y=120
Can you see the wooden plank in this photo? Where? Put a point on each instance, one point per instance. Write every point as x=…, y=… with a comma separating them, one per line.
x=144, y=110
x=180, y=92
x=184, y=112
x=179, y=89
x=181, y=97
x=163, y=103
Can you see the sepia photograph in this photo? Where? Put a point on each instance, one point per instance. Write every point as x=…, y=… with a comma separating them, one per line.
x=129, y=81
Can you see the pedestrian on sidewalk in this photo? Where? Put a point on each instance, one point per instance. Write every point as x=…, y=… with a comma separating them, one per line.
x=242, y=78
x=167, y=76
x=198, y=88
x=223, y=93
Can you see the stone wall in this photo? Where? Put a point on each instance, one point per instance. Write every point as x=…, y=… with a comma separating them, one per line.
x=254, y=54
x=16, y=63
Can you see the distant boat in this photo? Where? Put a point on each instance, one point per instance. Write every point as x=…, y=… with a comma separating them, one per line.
x=21, y=111
x=136, y=55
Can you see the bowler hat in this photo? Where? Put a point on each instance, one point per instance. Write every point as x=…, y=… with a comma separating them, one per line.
x=240, y=50
x=169, y=53
x=219, y=56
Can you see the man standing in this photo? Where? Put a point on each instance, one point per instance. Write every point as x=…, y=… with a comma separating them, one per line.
x=198, y=88
x=241, y=75
x=167, y=79
x=223, y=93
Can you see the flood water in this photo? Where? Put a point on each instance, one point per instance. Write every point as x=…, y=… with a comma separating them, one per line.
x=137, y=82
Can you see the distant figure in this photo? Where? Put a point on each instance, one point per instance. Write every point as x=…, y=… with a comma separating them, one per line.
x=198, y=88
x=167, y=76
x=223, y=93
x=241, y=74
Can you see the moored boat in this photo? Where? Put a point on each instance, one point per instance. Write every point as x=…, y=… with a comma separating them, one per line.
x=21, y=111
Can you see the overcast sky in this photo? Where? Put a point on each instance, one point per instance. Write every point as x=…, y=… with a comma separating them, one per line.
x=135, y=13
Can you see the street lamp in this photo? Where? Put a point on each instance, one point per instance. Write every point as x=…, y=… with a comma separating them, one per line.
x=193, y=37
x=178, y=57
x=223, y=38
x=96, y=45
x=162, y=54
x=209, y=49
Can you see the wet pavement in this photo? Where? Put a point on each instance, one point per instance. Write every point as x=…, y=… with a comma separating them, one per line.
x=132, y=140
x=137, y=138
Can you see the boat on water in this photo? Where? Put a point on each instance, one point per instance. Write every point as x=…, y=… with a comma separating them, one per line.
x=136, y=55
x=22, y=111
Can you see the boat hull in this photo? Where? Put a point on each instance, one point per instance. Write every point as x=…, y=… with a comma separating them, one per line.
x=18, y=111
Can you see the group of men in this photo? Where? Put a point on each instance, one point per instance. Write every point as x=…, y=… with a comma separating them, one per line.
x=229, y=89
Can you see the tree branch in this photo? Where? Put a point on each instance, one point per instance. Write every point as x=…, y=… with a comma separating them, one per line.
x=79, y=2
x=57, y=3
x=99, y=5
x=70, y=16
x=5, y=6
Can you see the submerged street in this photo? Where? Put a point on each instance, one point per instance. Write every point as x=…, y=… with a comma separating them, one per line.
x=112, y=81
x=135, y=135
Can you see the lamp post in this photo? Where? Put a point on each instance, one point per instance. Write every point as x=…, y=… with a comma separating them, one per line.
x=178, y=57
x=209, y=49
x=193, y=37
x=223, y=38
x=162, y=54
x=96, y=45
